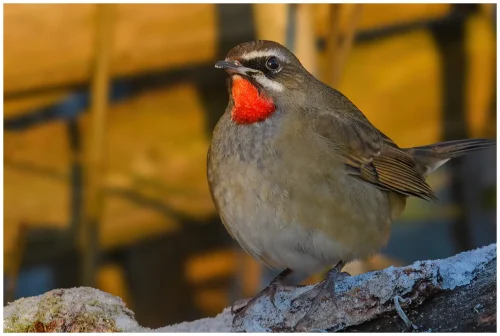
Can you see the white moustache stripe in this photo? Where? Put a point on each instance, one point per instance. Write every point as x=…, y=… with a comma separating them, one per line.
x=262, y=53
x=269, y=84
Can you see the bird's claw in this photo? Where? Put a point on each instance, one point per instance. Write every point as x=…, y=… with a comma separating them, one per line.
x=269, y=291
x=325, y=287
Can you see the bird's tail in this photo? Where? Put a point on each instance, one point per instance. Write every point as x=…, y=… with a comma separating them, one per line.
x=431, y=157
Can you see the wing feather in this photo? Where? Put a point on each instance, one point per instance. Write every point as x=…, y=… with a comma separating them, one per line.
x=369, y=154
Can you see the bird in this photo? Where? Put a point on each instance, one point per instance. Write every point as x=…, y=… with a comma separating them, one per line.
x=301, y=179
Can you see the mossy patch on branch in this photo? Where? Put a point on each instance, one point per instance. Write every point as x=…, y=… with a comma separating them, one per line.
x=69, y=310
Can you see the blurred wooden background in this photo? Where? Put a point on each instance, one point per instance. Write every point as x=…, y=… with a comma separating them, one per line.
x=421, y=73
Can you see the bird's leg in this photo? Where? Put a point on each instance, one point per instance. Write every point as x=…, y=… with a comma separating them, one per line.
x=270, y=291
x=319, y=291
x=339, y=275
x=333, y=275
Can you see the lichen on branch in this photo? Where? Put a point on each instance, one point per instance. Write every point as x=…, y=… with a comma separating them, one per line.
x=437, y=292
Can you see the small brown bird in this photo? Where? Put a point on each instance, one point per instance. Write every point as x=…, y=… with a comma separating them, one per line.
x=300, y=177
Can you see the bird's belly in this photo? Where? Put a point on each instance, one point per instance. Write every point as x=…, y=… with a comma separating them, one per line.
x=299, y=226
x=289, y=245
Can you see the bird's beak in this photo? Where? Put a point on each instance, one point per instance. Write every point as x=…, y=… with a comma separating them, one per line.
x=234, y=67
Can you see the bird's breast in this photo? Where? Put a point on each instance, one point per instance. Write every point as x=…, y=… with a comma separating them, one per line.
x=273, y=179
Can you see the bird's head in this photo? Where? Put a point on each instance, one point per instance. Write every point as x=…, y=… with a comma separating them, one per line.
x=262, y=76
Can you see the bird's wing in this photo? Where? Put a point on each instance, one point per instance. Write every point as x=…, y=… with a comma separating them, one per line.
x=369, y=154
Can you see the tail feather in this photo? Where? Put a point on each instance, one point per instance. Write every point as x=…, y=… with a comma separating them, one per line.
x=429, y=158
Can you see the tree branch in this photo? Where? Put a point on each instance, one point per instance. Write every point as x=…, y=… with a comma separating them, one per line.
x=454, y=294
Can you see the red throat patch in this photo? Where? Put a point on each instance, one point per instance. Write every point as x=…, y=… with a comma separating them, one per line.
x=249, y=106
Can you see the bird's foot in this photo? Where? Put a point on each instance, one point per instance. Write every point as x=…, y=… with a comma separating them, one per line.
x=269, y=291
x=318, y=294
x=334, y=276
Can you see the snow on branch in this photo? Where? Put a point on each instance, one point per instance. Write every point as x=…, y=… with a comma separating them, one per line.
x=454, y=294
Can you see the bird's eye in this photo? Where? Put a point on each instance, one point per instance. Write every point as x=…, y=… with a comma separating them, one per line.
x=272, y=63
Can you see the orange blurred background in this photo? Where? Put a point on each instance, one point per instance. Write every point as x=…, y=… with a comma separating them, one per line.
x=108, y=112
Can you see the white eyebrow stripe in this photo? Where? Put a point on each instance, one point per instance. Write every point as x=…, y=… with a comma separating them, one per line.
x=262, y=53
